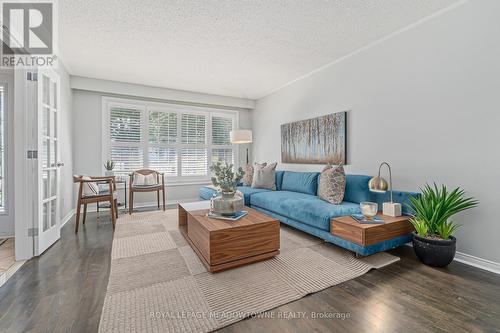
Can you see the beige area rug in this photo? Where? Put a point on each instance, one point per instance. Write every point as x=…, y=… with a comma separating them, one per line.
x=158, y=284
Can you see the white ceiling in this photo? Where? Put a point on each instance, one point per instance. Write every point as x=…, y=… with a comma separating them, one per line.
x=234, y=48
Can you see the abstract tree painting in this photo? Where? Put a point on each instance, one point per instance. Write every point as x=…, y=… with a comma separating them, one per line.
x=318, y=140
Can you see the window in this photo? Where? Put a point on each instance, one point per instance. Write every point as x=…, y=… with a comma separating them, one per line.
x=221, y=146
x=194, y=159
x=179, y=141
x=162, y=153
x=125, y=137
x=2, y=149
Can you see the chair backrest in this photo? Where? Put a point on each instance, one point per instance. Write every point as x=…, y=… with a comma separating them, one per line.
x=89, y=184
x=146, y=172
x=77, y=178
x=145, y=178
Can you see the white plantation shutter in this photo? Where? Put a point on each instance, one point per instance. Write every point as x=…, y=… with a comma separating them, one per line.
x=177, y=141
x=125, y=125
x=222, y=148
x=194, y=161
x=162, y=127
x=193, y=129
x=163, y=160
x=125, y=135
x=162, y=156
x=220, y=130
x=127, y=159
x=222, y=154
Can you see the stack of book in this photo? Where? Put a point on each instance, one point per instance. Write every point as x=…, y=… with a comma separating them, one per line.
x=236, y=216
x=363, y=220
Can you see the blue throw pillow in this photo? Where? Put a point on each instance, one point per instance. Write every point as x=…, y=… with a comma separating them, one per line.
x=356, y=188
x=279, y=179
x=302, y=182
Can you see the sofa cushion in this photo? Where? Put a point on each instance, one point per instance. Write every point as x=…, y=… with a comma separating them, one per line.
x=279, y=179
x=264, y=176
x=206, y=193
x=331, y=184
x=305, y=208
x=356, y=188
x=248, y=176
x=302, y=182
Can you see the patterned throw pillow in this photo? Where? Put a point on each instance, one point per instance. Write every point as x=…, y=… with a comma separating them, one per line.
x=264, y=176
x=332, y=184
x=90, y=188
x=248, y=177
x=144, y=180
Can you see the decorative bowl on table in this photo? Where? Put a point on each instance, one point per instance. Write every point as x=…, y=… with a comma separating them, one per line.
x=368, y=209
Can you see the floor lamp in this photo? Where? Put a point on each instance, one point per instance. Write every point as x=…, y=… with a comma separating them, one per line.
x=241, y=136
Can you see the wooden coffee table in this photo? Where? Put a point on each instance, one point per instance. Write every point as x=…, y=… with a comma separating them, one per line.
x=221, y=244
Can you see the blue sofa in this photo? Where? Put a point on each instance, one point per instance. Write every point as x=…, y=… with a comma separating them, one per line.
x=295, y=203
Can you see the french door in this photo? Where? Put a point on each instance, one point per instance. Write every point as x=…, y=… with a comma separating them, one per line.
x=6, y=156
x=49, y=144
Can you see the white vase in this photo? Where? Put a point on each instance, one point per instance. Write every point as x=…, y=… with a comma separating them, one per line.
x=109, y=173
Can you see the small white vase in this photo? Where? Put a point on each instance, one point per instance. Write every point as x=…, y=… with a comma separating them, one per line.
x=109, y=173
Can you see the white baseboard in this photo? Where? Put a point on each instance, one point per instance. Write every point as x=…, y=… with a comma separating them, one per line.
x=487, y=265
x=477, y=262
x=68, y=217
x=10, y=271
x=148, y=204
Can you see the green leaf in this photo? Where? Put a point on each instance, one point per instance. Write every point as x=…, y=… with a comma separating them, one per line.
x=435, y=206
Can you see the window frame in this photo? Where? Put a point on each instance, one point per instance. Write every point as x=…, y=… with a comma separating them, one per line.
x=145, y=107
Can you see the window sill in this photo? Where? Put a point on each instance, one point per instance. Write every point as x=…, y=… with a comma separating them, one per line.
x=188, y=183
x=172, y=184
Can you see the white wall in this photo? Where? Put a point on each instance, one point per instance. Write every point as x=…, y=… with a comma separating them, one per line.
x=164, y=94
x=88, y=145
x=425, y=100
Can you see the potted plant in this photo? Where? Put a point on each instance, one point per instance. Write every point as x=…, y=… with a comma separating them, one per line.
x=433, y=241
x=109, y=165
x=226, y=179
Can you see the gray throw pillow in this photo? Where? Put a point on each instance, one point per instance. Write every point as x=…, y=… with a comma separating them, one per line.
x=264, y=176
x=248, y=177
x=332, y=184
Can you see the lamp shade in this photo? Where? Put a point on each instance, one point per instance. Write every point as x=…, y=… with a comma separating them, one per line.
x=240, y=136
x=378, y=184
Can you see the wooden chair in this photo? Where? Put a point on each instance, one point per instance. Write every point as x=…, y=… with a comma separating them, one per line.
x=103, y=196
x=158, y=187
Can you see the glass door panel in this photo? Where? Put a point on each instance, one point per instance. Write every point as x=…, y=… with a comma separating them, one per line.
x=49, y=217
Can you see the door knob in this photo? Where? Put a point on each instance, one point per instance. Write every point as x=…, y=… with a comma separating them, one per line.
x=59, y=164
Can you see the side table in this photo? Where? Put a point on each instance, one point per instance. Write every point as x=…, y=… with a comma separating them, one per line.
x=346, y=227
x=124, y=187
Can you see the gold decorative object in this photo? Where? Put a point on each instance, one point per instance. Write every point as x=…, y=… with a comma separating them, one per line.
x=379, y=184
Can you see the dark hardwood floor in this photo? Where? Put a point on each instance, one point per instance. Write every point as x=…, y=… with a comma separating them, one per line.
x=63, y=291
